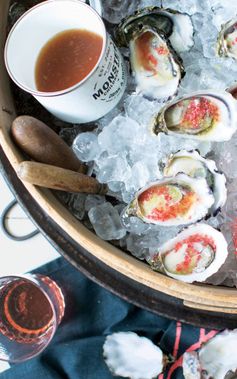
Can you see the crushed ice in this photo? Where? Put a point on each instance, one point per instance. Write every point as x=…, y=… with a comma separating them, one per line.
x=126, y=155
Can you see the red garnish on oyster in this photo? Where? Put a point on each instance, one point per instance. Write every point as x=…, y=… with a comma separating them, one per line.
x=190, y=251
x=207, y=116
x=161, y=203
x=178, y=200
x=198, y=114
x=193, y=255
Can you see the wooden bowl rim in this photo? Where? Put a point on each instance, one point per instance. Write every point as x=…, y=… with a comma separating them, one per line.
x=212, y=298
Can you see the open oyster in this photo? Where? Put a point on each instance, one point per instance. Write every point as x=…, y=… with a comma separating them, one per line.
x=227, y=39
x=216, y=359
x=194, y=165
x=180, y=200
x=206, y=115
x=193, y=255
x=156, y=67
x=176, y=26
x=130, y=356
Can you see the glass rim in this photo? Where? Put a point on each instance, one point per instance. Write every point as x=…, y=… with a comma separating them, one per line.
x=66, y=90
x=31, y=279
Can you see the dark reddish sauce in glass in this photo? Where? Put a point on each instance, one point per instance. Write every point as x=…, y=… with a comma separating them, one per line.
x=25, y=312
x=66, y=59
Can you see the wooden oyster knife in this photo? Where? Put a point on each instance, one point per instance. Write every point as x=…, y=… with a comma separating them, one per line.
x=43, y=145
x=58, y=178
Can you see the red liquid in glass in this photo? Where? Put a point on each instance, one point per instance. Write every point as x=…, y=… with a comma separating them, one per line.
x=25, y=312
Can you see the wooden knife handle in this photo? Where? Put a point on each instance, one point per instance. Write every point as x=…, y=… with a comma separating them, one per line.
x=58, y=178
x=42, y=144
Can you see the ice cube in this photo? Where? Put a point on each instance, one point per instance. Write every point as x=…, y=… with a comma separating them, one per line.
x=140, y=109
x=115, y=10
x=225, y=157
x=115, y=168
x=93, y=200
x=120, y=135
x=223, y=11
x=139, y=245
x=139, y=177
x=106, y=222
x=134, y=224
x=148, y=3
x=85, y=146
x=77, y=205
x=116, y=186
x=170, y=144
x=188, y=6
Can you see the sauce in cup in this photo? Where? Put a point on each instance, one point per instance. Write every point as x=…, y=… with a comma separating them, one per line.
x=66, y=59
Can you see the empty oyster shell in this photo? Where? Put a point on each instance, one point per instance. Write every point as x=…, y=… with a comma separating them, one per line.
x=193, y=255
x=206, y=115
x=180, y=200
x=194, y=165
x=176, y=26
x=130, y=356
x=156, y=67
x=216, y=359
x=227, y=39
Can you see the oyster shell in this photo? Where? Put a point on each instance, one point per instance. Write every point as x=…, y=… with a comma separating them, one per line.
x=176, y=26
x=216, y=359
x=180, y=200
x=206, y=115
x=193, y=255
x=156, y=67
x=191, y=365
x=227, y=39
x=130, y=356
x=194, y=165
x=233, y=90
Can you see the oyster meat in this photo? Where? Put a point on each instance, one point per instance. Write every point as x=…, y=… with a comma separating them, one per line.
x=227, y=39
x=215, y=360
x=206, y=115
x=180, y=200
x=130, y=356
x=157, y=72
x=194, y=165
x=193, y=255
x=156, y=67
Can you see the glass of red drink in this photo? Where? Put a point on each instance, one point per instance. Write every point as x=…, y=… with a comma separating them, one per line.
x=31, y=308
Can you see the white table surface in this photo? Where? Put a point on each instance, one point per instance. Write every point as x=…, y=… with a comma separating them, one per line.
x=20, y=257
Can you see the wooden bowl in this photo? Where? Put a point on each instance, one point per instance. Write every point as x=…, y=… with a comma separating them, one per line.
x=133, y=280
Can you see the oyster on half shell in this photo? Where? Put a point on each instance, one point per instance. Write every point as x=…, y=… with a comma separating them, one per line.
x=206, y=115
x=155, y=65
x=194, y=165
x=193, y=255
x=179, y=200
x=227, y=39
x=216, y=358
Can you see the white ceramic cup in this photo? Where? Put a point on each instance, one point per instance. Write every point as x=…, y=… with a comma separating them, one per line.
x=92, y=97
